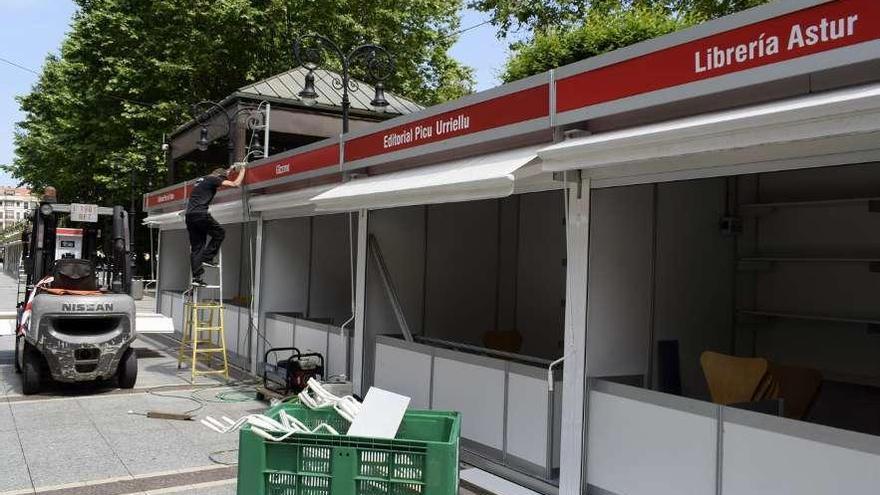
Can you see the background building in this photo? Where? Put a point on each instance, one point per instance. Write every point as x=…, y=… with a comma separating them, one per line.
x=14, y=202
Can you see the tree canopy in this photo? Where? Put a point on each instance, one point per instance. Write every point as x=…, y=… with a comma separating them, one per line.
x=129, y=69
x=558, y=32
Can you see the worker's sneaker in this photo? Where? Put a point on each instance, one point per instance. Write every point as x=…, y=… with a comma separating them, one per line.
x=211, y=264
x=197, y=282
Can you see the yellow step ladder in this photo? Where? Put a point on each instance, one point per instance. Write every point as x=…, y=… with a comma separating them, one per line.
x=204, y=338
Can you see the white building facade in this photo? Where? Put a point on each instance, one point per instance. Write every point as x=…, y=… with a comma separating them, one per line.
x=14, y=202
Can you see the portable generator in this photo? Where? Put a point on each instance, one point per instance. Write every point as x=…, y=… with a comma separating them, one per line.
x=289, y=376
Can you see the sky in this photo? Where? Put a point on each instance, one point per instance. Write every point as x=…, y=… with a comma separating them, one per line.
x=32, y=29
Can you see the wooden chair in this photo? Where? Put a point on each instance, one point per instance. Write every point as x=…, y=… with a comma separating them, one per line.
x=734, y=379
x=798, y=388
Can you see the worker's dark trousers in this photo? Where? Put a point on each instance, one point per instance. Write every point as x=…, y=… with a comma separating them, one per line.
x=200, y=226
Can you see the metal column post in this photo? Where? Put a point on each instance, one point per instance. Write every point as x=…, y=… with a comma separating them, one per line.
x=358, y=340
x=574, y=409
x=157, y=276
x=255, y=297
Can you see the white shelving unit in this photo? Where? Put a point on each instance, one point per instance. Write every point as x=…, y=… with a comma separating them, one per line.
x=821, y=203
x=809, y=317
x=809, y=259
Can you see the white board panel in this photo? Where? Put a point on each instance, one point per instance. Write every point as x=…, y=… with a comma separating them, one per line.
x=759, y=462
x=405, y=372
x=475, y=391
x=527, y=412
x=380, y=416
x=637, y=448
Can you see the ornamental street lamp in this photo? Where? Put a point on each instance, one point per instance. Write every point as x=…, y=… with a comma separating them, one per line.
x=203, y=111
x=375, y=60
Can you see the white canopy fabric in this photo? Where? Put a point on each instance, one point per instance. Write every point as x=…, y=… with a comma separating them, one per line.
x=836, y=122
x=287, y=204
x=480, y=177
x=165, y=220
x=227, y=212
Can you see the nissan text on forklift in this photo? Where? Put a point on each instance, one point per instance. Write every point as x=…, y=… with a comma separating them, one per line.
x=76, y=316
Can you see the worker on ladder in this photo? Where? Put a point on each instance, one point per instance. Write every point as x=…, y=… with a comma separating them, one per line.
x=200, y=224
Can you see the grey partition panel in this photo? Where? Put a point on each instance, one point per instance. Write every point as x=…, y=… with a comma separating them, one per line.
x=527, y=414
x=406, y=372
x=509, y=417
x=279, y=333
x=338, y=342
x=165, y=304
x=177, y=311
x=642, y=442
x=765, y=455
x=231, y=329
x=474, y=386
x=311, y=337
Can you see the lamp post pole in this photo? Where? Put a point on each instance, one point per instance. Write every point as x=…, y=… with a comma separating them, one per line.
x=204, y=110
x=375, y=60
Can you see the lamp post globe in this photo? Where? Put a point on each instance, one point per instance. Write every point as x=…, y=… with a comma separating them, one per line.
x=308, y=95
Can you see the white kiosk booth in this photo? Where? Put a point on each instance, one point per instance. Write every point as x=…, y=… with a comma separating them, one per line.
x=554, y=257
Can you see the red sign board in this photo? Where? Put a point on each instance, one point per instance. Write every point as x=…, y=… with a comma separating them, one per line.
x=303, y=162
x=296, y=164
x=155, y=200
x=511, y=108
x=798, y=34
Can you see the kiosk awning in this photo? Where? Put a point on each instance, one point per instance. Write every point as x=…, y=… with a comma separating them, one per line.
x=227, y=212
x=468, y=179
x=287, y=204
x=165, y=220
x=771, y=136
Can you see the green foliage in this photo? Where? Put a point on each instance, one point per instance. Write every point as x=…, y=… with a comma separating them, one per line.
x=541, y=16
x=601, y=32
x=558, y=32
x=129, y=69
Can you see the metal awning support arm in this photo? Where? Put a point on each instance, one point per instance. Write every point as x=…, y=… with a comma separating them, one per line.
x=390, y=290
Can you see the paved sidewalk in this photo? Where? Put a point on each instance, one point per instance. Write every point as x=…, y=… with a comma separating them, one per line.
x=81, y=440
x=69, y=436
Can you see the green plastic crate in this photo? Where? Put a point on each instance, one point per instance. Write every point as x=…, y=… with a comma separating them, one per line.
x=422, y=460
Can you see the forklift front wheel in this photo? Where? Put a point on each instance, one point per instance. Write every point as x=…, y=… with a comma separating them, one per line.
x=31, y=368
x=128, y=369
x=15, y=358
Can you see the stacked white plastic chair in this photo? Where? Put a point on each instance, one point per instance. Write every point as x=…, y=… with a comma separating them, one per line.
x=315, y=396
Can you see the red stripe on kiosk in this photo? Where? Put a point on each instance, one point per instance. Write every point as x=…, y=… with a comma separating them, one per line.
x=798, y=34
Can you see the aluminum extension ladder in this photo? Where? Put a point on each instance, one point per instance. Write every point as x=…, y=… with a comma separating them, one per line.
x=204, y=338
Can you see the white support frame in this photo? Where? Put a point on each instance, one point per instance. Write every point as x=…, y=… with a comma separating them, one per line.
x=255, y=297
x=572, y=477
x=358, y=341
x=157, y=262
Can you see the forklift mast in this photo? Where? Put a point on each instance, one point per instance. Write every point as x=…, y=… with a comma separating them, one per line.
x=40, y=244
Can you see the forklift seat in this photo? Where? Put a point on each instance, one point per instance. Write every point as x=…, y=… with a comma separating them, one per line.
x=74, y=274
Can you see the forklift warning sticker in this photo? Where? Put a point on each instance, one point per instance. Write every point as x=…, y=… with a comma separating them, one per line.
x=83, y=213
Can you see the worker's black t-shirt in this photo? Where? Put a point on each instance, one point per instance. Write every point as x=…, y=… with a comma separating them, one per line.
x=203, y=193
